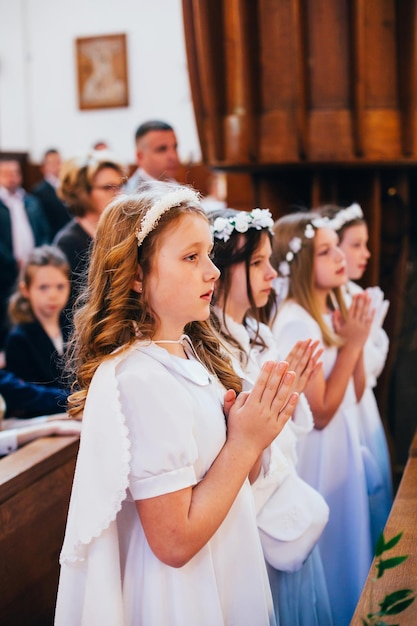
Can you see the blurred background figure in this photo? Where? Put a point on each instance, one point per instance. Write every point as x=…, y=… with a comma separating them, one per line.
x=101, y=145
x=87, y=184
x=46, y=191
x=156, y=154
x=35, y=345
x=23, y=226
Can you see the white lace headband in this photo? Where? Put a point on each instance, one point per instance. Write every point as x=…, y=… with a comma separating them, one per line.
x=260, y=219
x=169, y=201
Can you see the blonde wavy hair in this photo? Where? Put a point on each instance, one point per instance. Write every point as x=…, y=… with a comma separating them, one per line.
x=301, y=278
x=111, y=314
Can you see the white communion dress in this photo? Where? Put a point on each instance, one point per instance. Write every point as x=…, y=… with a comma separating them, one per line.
x=372, y=433
x=331, y=461
x=291, y=514
x=153, y=424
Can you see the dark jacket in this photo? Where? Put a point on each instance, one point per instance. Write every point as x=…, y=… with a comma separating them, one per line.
x=31, y=355
x=28, y=400
x=8, y=265
x=55, y=210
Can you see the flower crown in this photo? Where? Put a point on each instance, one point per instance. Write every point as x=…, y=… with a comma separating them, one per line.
x=169, y=201
x=223, y=227
x=342, y=217
x=295, y=246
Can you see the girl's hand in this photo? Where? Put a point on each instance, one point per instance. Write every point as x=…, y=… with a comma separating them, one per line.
x=256, y=418
x=304, y=361
x=355, y=329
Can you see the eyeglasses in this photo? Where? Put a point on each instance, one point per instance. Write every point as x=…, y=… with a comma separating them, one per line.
x=109, y=188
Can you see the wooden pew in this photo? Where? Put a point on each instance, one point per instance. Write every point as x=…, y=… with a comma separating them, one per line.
x=35, y=486
x=403, y=518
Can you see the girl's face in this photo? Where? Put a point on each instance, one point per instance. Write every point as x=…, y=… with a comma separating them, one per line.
x=181, y=282
x=261, y=275
x=48, y=292
x=107, y=184
x=329, y=261
x=354, y=244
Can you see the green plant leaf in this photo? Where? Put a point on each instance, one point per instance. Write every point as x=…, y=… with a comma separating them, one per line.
x=380, y=545
x=382, y=565
x=394, y=597
x=399, y=607
x=392, y=542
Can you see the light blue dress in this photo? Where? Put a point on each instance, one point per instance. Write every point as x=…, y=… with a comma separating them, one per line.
x=331, y=460
x=371, y=429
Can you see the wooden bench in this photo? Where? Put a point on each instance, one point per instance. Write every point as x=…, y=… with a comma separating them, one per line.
x=403, y=518
x=35, y=486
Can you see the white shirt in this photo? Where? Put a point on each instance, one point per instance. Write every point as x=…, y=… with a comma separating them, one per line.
x=22, y=235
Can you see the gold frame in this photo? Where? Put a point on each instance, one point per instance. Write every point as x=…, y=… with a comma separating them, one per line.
x=102, y=72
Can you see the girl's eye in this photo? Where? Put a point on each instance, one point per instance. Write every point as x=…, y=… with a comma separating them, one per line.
x=191, y=257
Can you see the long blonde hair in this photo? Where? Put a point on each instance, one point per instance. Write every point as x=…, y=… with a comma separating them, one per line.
x=301, y=267
x=111, y=313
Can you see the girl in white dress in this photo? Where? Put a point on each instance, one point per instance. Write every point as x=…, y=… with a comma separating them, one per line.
x=290, y=514
x=352, y=229
x=161, y=528
x=306, y=252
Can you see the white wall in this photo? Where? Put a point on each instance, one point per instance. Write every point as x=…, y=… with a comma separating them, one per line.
x=38, y=88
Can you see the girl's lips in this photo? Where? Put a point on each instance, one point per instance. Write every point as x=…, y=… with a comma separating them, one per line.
x=208, y=295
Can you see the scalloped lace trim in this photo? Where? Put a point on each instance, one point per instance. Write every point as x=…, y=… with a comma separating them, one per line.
x=76, y=550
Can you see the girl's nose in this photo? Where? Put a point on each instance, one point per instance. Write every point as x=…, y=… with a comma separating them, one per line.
x=271, y=273
x=213, y=271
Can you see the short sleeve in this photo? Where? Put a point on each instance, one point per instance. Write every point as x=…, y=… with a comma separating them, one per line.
x=159, y=415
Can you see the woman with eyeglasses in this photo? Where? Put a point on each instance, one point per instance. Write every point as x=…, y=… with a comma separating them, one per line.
x=87, y=184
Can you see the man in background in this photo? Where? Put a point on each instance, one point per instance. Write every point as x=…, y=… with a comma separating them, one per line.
x=54, y=209
x=23, y=226
x=156, y=154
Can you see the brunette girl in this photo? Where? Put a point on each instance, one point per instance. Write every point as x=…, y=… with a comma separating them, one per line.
x=290, y=514
x=35, y=345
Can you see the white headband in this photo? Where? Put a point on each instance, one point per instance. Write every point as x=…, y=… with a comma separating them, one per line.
x=169, y=201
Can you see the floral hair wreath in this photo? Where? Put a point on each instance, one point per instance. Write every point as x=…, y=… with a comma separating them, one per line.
x=351, y=213
x=167, y=202
x=259, y=219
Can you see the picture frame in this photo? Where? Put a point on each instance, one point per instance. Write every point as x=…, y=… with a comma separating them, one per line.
x=102, y=71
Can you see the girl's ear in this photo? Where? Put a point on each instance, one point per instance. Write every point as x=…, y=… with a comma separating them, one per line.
x=23, y=289
x=137, y=281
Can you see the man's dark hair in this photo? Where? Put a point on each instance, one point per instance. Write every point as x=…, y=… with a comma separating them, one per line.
x=146, y=127
x=50, y=151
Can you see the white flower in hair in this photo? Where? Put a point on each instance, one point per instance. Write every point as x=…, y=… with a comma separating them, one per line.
x=241, y=223
x=309, y=231
x=167, y=202
x=350, y=214
x=295, y=244
x=284, y=268
x=222, y=228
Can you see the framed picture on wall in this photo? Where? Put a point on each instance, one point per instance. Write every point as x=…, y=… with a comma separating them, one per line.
x=102, y=71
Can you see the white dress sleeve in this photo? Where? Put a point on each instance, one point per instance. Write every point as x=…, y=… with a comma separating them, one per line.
x=8, y=441
x=165, y=417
